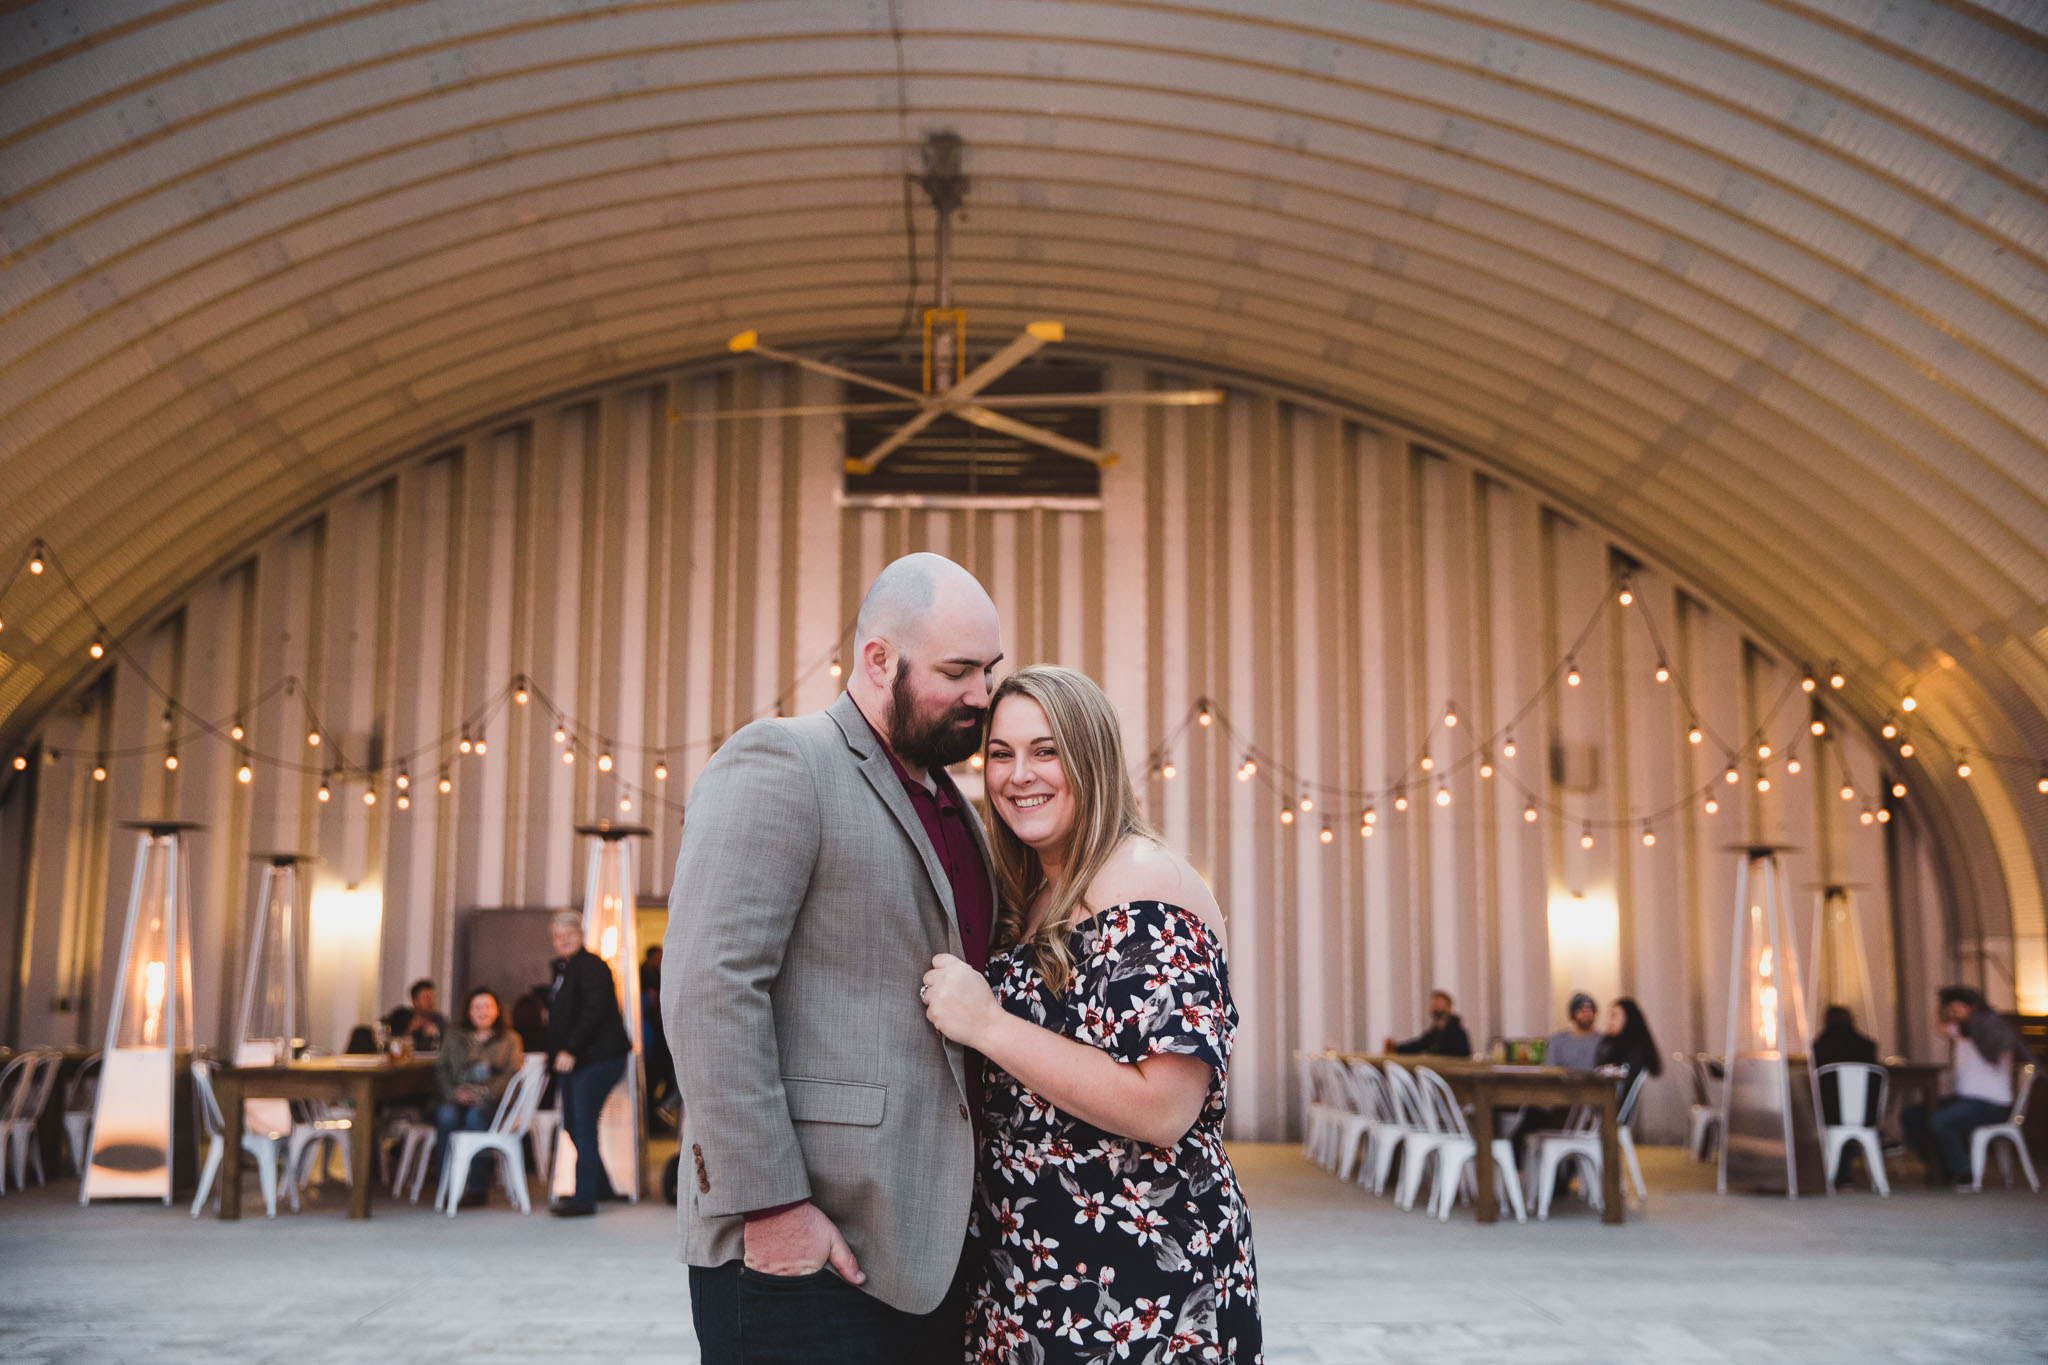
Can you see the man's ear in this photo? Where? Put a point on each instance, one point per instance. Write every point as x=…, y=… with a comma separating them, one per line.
x=878, y=657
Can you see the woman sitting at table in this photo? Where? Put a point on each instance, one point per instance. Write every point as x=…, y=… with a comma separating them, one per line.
x=471, y=1073
x=1627, y=1043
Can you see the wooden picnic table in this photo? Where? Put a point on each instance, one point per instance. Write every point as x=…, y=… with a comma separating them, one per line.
x=363, y=1082
x=1484, y=1086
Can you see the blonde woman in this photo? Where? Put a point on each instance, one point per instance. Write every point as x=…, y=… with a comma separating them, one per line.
x=1113, y=1225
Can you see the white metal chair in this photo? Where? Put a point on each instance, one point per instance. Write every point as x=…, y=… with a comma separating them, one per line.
x=78, y=1108
x=415, y=1139
x=1347, y=1121
x=267, y=1145
x=1424, y=1132
x=1580, y=1143
x=1853, y=1082
x=1319, y=1143
x=1982, y=1138
x=1455, y=1154
x=1704, y=1130
x=320, y=1128
x=23, y=1114
x=504, y=1137
x=1383, y=1122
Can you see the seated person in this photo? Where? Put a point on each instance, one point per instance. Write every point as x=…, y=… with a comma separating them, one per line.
x=470, y=1073
x=1985, y=1048
x=1578, y=1047
x=1445, y=1036
x=1627, y=1044
x=427, y=1024
x=1839, y=1041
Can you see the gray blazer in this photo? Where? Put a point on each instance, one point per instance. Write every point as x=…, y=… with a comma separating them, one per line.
x=806, y=908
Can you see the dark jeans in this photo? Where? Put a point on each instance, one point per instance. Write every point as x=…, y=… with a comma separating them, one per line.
x=746, y=1318
x=583, y=1096
x=1949, y=1128
x=451, y=1117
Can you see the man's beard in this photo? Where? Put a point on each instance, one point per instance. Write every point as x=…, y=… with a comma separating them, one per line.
x=930, y=741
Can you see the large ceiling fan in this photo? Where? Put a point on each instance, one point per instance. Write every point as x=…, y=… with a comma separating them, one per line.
x=950, y=388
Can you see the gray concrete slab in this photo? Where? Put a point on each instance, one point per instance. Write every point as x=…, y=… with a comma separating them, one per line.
x=1926, y=1276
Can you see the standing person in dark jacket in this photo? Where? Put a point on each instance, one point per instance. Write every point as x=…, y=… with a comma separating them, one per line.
x=588, y=1039
x=1445, y=1036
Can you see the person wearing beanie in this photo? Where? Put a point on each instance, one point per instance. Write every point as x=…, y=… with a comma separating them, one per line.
x=1574, y=1048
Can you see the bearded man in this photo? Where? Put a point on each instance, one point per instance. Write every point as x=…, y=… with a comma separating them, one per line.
x=827, y=1144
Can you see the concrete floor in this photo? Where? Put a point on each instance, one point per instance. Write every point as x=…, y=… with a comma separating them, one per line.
x=1926, y=1276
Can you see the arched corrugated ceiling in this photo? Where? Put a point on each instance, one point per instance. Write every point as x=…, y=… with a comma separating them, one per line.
x=1761, y=286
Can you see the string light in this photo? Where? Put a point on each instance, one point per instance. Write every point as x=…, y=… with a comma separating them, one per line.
x=1649, y=836
x=1663, y=673
x=1816, y=727
x=369, y=796
x=325, y=793
x=1307, y=803
x=1890, y=731
x=236, y=732
x=1731, y=776
x=1792, y=766
x=1401, y=802
x=561, y=735
x=1168, y=771
x=464, y=746
x=1451, y=716
x=1763, y=784
x=1286, y=815
x=1884, y=815
x=446, y=785
x=1586, y=839
x=2040, y=783
x=1571, y=677
x=21, y=763
x=604, y=762
x=482, y=748
x=1365, y=829
x=1485, y=766
x=1428, y=764
x=1529, y=813
x=1627, y=595
x=1907, y=703
x=625, y=804
x=99, y=771
x=835, y=670
x=1906, y=749
x=35, y=559
x=1443, y=796
x=97, y=650
x=1807, y=683
x=1712, y=806
x=661, y=769
x=1963, y=769
x=569, y=754
x=1694, y=735
x=168, y=717
x=404, y=803
x=171, y=761
x=1507, y=747
x=1836, y=680
x=1203, y=718
x=312, y=739
x=1866, y=817
x=1899, y=788
x=1246, y=769
x=245, y=774
x=1371, y=817
x=1327, y=835
x=975, y=760
x=1848, y=793
x=402, y=781
x=520, y=695
x=1763, y=751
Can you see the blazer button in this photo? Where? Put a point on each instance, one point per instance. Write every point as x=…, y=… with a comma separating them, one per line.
x=963, y=1111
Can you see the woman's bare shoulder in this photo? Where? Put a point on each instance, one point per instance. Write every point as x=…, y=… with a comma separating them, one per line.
x=1141, y=870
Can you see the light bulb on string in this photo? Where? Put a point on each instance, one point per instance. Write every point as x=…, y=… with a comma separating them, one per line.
x=1428, y=764
x=97, y=650
x=1906, y=749
x=1287, y=815
x=1571, y=676
x=1899, y=788
x=1763, y=784
x=1327, y=835
x=569, y=754
x=1730, y=776
x=1401, y=802
x=1371, y=817
x=1847, y=793
x=1908, y=703
x=171, y=761
x=1485, y=766
x=1807, y=683
x=976, y=761
x=1963, y=769
x=446, y=784
x=1816, y=727
x=1451, y=716
x=625, y=804
x=1712, y=807
x=1792, y=766
x=169, y=714
x=1529, y=813
x=1649, y=837
x=1507, y=747
x=236, y=732
x=836, y=669
x=561, y=735
x=1307, y=803
x=1884, y=815
x=1867, y=816
x=520, y=696
x=1694, y=734
x=1203, y=718
x=21, y=763
x=1663, y=674
x=1890, y=731
x=402, y=781
x=404, y=802
x=1763, y=751
x=1365, y=829
x=661, y=769
x=604, y=762
x=312, y=739
x=99, y=771
x=245, y=774
x=35, y=560
x=1246, y=769
x=1168, y=771
x=1443, y=795
x=482, y=747
x=1586, y=839
x=2040, y=783
x=463, y=745
x=369, y=796
x=325, y=793
x=1836, y=680
x=1627, y=595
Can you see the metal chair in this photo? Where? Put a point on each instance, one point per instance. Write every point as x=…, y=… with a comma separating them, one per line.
x=1580, y=1143
x=78, y=1109
x=267, y=1145
x=1853, y=1094
x=1705, y=1121
x=23, y=1113
x=1456, y=1154
x=1424, y=1133
x=1982, y=1138
x=504, y=1137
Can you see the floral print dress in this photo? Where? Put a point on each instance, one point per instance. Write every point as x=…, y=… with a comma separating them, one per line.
x=1099, y=1248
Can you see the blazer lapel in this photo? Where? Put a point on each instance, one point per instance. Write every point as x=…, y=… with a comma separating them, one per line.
x=881, y=775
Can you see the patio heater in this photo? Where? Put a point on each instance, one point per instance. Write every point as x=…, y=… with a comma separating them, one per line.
x=1841, y=968
x=148, y=1025
x=270, y=1026
x=1769, y=1138
x=609, y=912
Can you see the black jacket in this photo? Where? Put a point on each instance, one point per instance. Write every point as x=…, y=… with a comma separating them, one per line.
x=583, y=1011
x=1449, y=1040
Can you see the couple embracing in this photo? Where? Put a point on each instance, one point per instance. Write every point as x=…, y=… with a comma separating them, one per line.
x=949, y=1094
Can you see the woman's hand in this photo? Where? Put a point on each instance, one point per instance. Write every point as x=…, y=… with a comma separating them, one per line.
x=958, y=1002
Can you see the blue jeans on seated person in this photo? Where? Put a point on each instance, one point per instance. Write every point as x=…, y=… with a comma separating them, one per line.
x=1950, y=1126
x=451, y=1117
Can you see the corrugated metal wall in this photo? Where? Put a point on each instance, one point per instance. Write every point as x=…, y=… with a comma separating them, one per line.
x=664, y=576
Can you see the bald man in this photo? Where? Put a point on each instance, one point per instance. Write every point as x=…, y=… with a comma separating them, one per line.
x=827, y=1144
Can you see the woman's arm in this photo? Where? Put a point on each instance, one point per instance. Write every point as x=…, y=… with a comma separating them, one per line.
x=1156, y=1100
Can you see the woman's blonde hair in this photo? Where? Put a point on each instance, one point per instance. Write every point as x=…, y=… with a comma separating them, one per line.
x=1091, y=755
